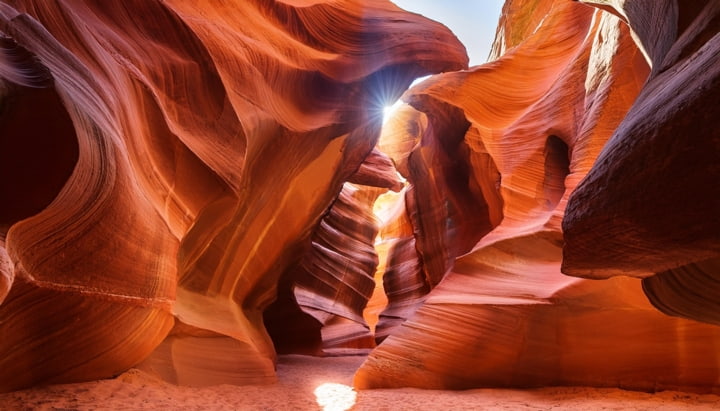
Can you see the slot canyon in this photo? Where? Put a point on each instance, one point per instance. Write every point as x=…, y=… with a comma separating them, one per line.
x=197, y=193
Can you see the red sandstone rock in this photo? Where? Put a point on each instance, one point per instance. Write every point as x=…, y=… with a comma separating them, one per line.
x=333, y=280
x=206, y=159
x=502, y=313
x=654, y=188
x=377, y=170
x=322, y=297
x=209, y=140
x=6, y=271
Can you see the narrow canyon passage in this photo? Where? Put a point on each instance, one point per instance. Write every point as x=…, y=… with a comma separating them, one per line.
x=205, y=199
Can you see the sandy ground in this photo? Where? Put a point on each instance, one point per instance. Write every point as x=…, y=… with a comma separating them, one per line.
x=301, y=377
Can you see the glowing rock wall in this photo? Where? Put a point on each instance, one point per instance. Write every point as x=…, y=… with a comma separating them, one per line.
x=492, y=155
x=185, y=153
x=655, y=187
x=188, y=187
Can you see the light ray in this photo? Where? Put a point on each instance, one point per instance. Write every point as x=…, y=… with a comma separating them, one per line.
x=388, y=111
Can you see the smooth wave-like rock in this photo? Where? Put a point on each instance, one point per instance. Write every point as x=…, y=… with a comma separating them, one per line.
x=564, y=75
x=322, y=298
x=654, y=188
x=688, y=291
x=193, y=187
x=197, y=146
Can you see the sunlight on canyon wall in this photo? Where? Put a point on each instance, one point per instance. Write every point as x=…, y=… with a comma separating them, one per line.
x=191, y=188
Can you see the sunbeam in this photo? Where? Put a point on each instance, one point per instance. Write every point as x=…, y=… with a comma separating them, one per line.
x=388, y=111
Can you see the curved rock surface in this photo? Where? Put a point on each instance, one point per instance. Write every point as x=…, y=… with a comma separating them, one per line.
x=189, y=188
x=654, y=188
x=321, y=298
x=525, y=129
x=195, y=146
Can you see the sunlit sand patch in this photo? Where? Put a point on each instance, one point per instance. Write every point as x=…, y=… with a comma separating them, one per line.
x=335, y=397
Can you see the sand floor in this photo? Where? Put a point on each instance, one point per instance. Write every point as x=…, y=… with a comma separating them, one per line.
x=300, y=377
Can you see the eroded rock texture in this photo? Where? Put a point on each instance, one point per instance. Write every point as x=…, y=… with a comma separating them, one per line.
x=321, y=298
x=179, y=175
x=493, y=154
x=165, y=162
x=655, y=189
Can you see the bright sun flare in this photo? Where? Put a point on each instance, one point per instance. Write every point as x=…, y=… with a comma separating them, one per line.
x=335, y=397
x=388, y=111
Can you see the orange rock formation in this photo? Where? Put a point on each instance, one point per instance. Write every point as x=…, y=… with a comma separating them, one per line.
x=192, y=187
x=187, y=151
x=668, y=144
x=476, y=296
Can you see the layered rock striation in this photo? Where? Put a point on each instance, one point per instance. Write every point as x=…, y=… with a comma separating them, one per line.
x=193, y=187
x=502, y=148
x=654, y=188
x=169, y=161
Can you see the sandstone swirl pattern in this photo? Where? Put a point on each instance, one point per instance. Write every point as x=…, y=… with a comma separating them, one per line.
x=188, y=187
x=193, y=148
x=501, y=148
x=655, y=187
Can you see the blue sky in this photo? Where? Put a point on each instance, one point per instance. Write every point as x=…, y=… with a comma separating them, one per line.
x=472, y=21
